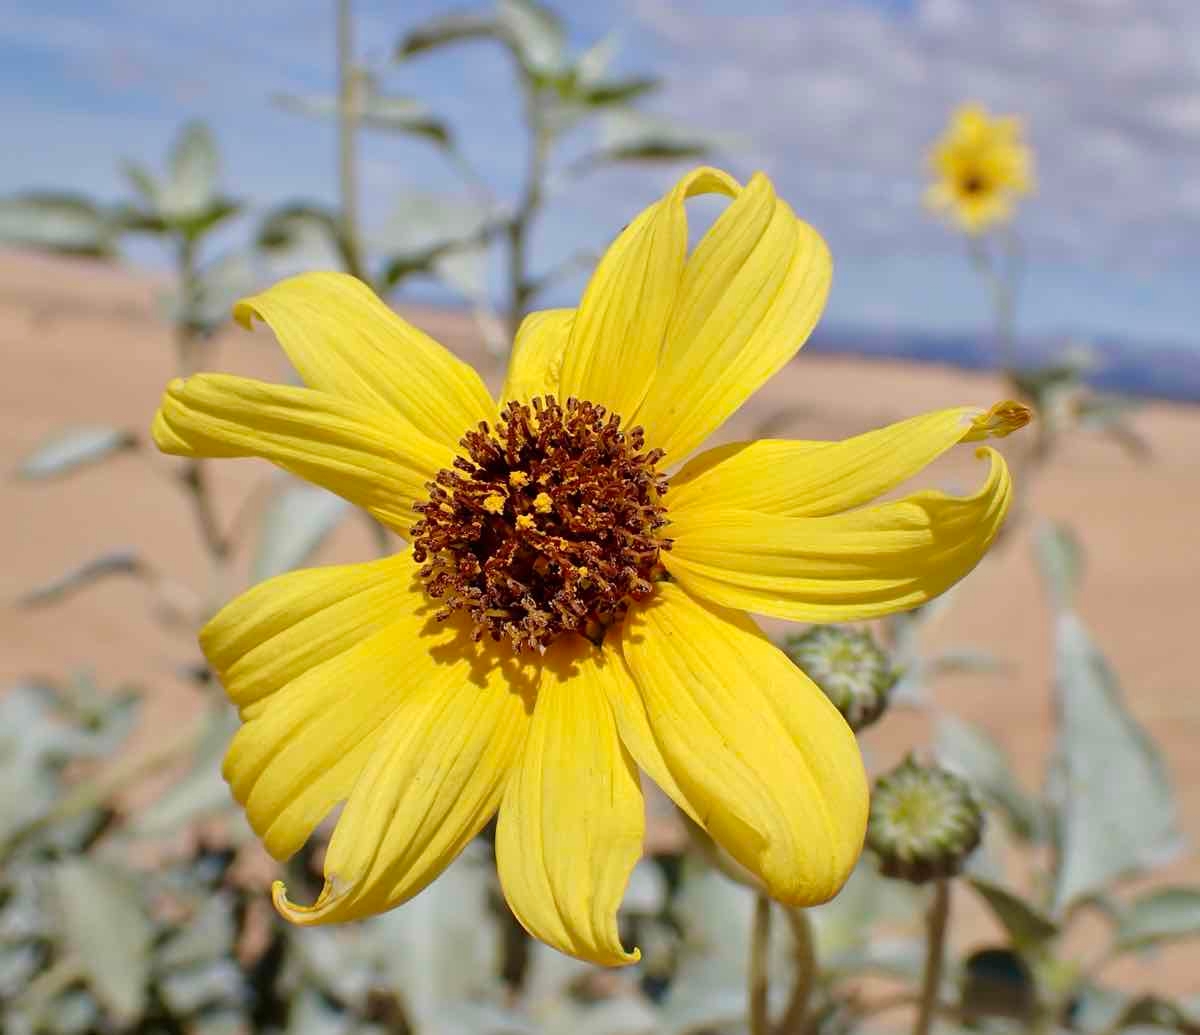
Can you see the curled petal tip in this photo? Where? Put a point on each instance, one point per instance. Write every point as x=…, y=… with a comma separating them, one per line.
x=243, y=313
x=1002, y=419
x=304, y=916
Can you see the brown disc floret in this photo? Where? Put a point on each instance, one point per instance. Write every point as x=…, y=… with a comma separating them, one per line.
x=547, y=524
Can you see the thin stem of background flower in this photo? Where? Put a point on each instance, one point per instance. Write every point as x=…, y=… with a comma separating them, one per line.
x=935, y=950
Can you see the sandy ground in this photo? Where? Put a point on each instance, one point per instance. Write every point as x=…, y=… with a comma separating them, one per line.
x=83, y=344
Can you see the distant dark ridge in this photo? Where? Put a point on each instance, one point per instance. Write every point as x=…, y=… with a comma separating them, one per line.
x=1146, y=370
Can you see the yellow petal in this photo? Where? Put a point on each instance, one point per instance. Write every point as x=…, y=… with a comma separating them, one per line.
x=303, y=747
x=810, y=479
x=373, y=458
x=634, y=727
x=751, y=294
x=536, y=362
x=342, y=339
x=571, y=823
x=434, y=778
x=843, y=567
x=770, y=765
x=622, y=319
x=278, y=630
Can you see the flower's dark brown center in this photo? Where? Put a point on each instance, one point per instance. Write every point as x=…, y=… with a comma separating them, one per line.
x=973, y=183
x=547, y=524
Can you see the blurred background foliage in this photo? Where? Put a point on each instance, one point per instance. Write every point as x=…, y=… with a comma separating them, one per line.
x=122, y=914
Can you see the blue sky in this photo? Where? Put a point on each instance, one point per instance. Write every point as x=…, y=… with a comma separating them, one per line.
x=835, y=99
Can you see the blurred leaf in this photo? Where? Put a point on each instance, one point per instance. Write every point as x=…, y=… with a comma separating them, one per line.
x=209, y=934
x=445, y=29
x=143, y=183
x=1109, y=414
x=594, y=63
x=430, y=233
x=306, y=236
x=310, y=1014
x=1025, y=923
x=1168, y=914
x=218, y=981
x=134, y=220
x=297, y=521
x=106, y=931
x=117, y=562
x=844, y=926
x=1118, y=814
x=192, y=171
x=633, y=136
x=374, y=110
x=971, y=750
x=536, y=35
x=215, y=289
x=616, y=91
x=60, y=222
x=74, y=1012
x=76, y=447
x=1060, y=560
x=203, y=790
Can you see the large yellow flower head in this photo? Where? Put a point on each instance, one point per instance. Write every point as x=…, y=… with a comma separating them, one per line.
x=571, y=605
x=980, y=166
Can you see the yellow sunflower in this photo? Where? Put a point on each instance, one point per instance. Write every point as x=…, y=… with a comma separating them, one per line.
x=981, y=166
x=560, y=619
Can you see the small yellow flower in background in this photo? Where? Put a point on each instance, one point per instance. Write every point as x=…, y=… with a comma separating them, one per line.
x=562, y=615
x=981, y=167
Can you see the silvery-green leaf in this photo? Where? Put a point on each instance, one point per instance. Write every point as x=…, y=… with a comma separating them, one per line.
x=422, y=221
x=1060, y=560
x=1028, y=927
x=594, y=63
x=69, y=223
x=1117, y=814
x=310, y=1014
x=143, y=183
x=709, y=989
x=467, y=1018
x=1168, y=914
x=297, y=521
x=18, y=965
x=219, y=1021
x=970, y=750
x=188, y=989
x=107, y=931
x=633, y=136
x=202, y=791
x=440, y=948
x=845, y=925
x=466, y=270
x=646, y=892
x=403, y=115
x=74, y=1012
x=959, y=660
x=192, y=171
x=306, y=236
x=116, y=562
x=536, y=35
x=207, y=935
x=75, y=447
x=445, y=29
x=622, y=1015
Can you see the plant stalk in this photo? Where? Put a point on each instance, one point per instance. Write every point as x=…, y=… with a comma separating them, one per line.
x=795, y=1016
x=348, y=116
x=520, y=286
x=757, y=978
x=935, y=952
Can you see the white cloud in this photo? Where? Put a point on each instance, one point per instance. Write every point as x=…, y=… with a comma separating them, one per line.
x=842, y=100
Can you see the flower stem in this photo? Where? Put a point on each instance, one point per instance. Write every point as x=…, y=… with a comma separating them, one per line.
x=935, y=951
x=757, y=979
x=347, y=129
x=805, y=959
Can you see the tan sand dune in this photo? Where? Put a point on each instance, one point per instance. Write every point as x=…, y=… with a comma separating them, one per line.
x=82, y=343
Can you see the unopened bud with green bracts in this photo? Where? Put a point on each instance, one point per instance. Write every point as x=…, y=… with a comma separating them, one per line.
x=854, y=672
x=925, y=822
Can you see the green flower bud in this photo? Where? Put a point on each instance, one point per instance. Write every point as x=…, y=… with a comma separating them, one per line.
x=924, y=822
x=854, y=672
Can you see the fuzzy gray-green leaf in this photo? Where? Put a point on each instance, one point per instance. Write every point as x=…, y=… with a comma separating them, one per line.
x=1117, y=811
x=106, y=930
x=1168, y=914
x=56, y=221
x=297, y=521
x=1028, y=927
x=71, y=448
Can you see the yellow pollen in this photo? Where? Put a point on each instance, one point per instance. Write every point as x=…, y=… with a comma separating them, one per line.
x=542, y=503
x=582, y=571
x=1002, y=419
x=518, y=479
x=526, y=521
x=494, y=504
